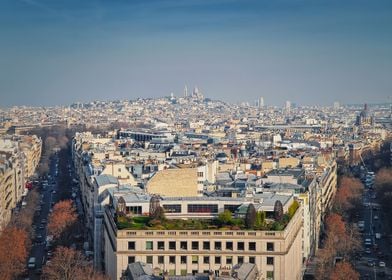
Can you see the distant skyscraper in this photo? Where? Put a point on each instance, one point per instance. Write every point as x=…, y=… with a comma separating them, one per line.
x=261, y=102
x=288, y=105
x=336, y=105
x=186, y=91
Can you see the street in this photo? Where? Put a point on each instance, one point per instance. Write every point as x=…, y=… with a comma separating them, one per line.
x=375, y=260
x=40, y=251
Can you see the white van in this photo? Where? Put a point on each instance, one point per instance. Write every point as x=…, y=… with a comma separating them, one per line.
x=31, y=263
x=368, y=242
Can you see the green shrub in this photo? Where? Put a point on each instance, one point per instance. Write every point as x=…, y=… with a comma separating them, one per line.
x=293, y=208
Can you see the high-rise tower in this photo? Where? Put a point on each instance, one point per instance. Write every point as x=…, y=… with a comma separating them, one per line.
x=288, y=106
x=261, y=102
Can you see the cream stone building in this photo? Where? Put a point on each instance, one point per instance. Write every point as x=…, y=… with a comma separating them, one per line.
x=174, y=182
x=277, y=254
x=7, y=190
x=31, y=146
x=19, y=157
x=119, y=170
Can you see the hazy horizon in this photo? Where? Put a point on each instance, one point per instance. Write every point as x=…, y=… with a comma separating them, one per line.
x=306, y=51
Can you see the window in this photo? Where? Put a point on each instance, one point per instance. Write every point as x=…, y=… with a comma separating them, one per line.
x=131, y=259
x=206, y=259
x=252, y=260
x=206, y=245
x=270, y=246
x=184, y=245
x=172, y=208
x=172, y=245
x=131, y=245
x=218, y=245
x=195, y=259
x=231, y=208
x=149, y=259
x=217, y=260
x=194, y=272
x=149, y=245
x=161, y=259
x=240, y=260
x=161, y=245
x=172, y=259
x=229, y=245
x=270, y=260
x=183, y=272
x=183, y=259
x=136, y=210
x=195, y=245
x=270, y=275
x=240, y=246
x=202, y=208
x=200, y=174
x=252, y=246
x=229, y=260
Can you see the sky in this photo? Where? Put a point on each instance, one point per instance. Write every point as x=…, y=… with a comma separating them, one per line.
x=311, y=52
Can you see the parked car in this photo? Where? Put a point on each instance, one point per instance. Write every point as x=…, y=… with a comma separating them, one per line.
x=31, y=263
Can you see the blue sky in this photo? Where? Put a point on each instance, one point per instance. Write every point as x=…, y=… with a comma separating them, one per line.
x=310, y=52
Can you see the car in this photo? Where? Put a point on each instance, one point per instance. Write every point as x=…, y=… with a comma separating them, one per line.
x=370, y=263
x=381, y=264
x=31, y=263
x=53, y=192
x=375, y=217
x=41, y=227
x=44, y=221
x=368, y=251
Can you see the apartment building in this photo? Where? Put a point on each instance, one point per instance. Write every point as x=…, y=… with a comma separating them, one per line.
x=7, y=190
x=277, y=254
x=328, y=185
x=31, y=146
x=19, y=157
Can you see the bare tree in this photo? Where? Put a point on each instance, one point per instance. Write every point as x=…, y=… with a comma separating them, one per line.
x=62, y=217
x=13, y=252
x=344, y=271
x=70, y=264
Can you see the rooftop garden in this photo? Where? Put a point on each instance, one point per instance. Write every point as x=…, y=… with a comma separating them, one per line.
x=225, y=221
